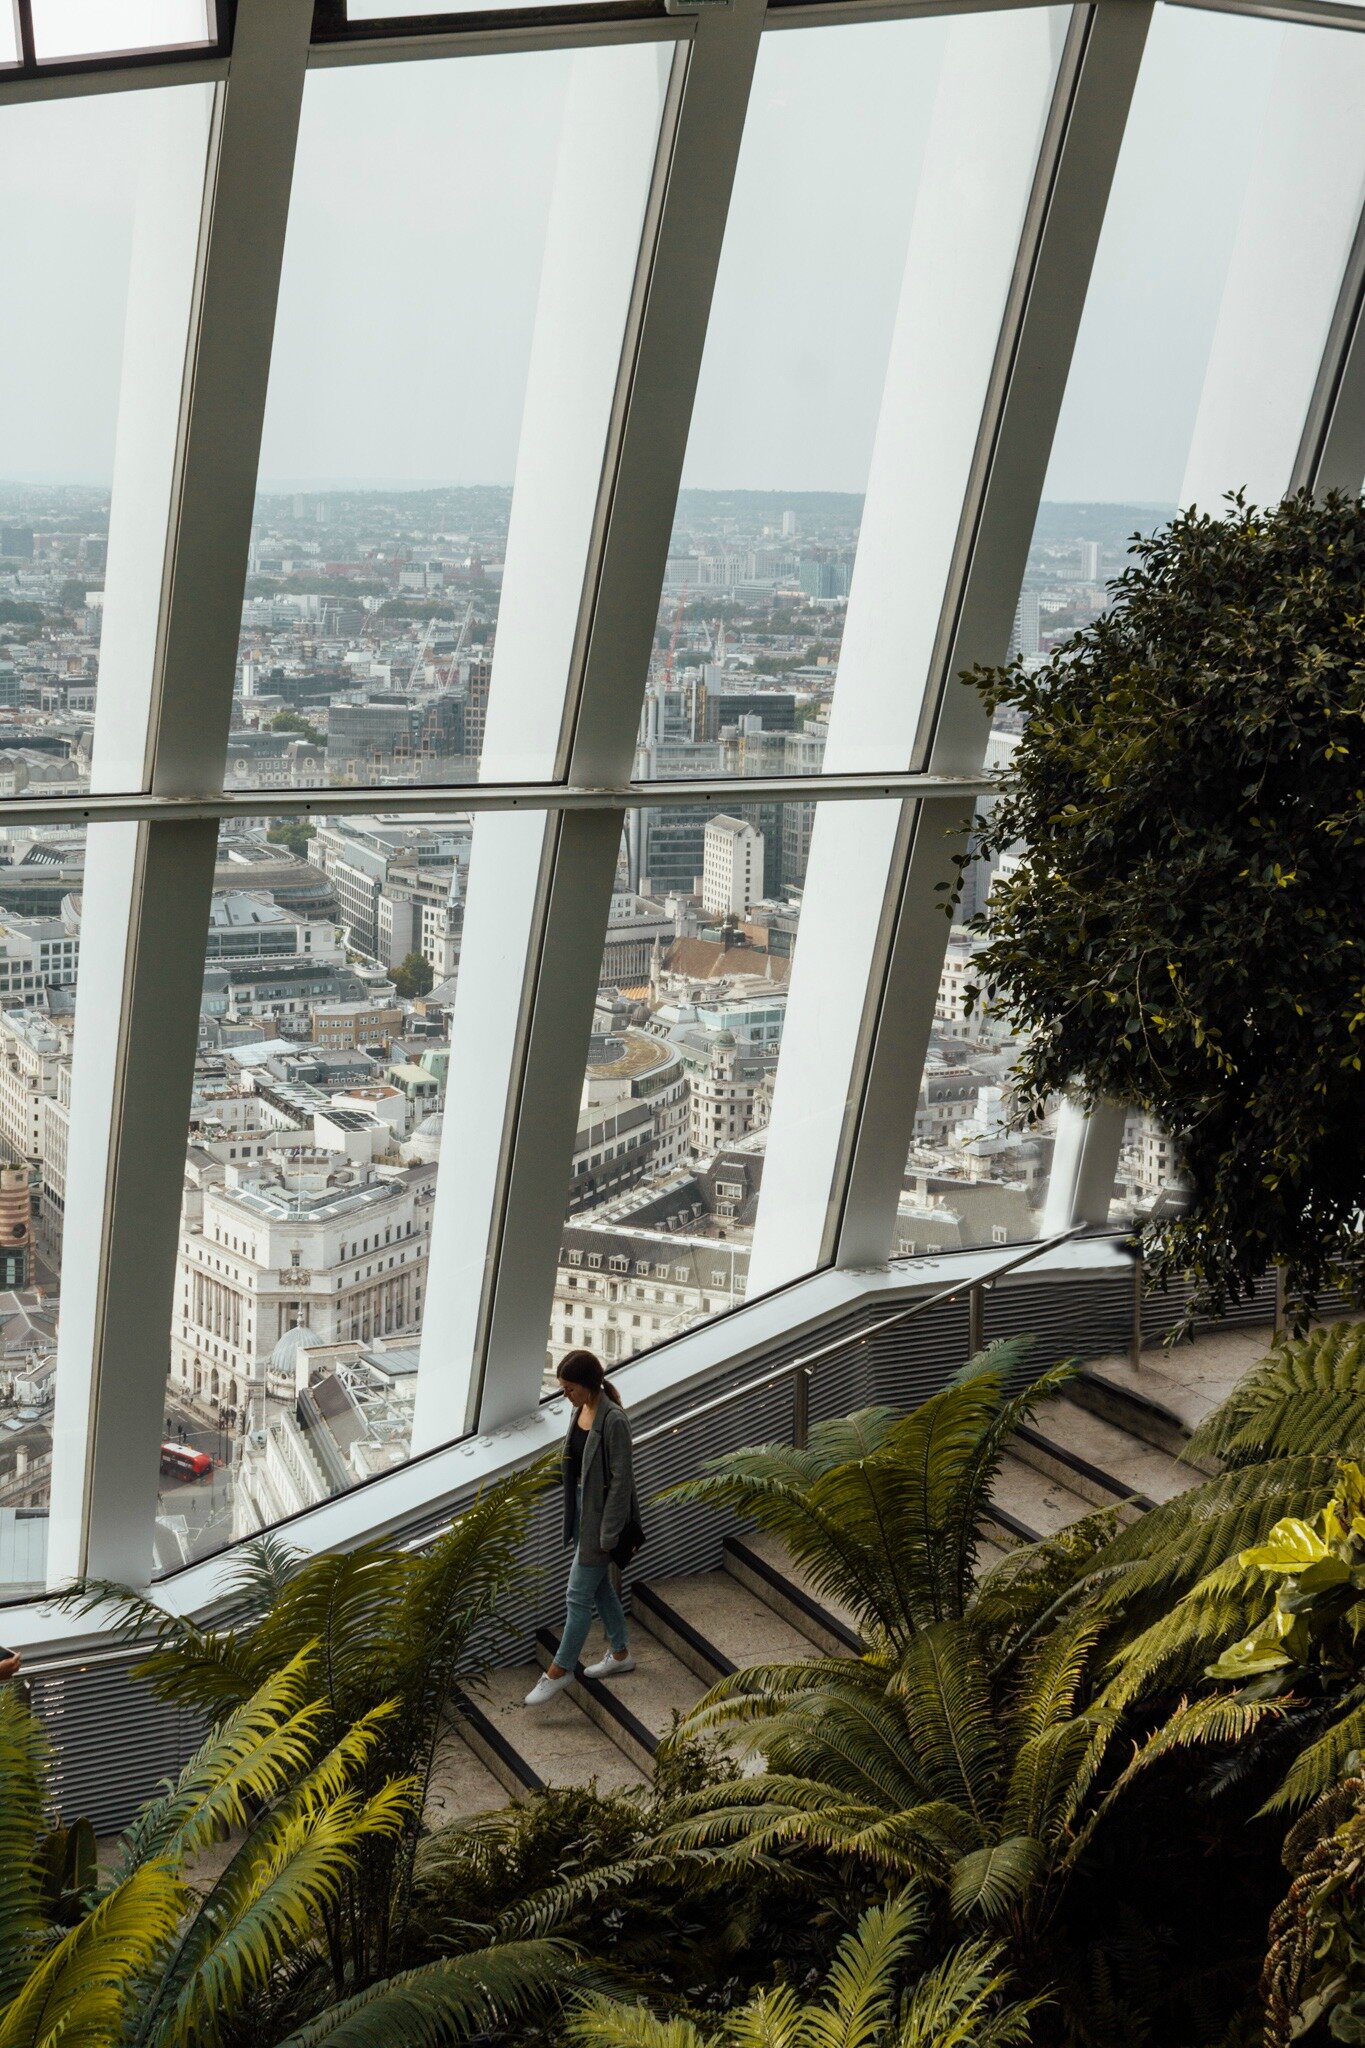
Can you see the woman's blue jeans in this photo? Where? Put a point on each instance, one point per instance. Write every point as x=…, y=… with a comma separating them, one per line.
x=589, y=1586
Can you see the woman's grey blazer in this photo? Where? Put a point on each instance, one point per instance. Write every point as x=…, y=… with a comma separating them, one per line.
x=606, y=1507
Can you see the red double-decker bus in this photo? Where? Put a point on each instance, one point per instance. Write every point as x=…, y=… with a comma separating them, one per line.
x=178, y=1461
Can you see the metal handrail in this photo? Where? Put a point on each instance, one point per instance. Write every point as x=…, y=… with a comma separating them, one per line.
x=800, y=1368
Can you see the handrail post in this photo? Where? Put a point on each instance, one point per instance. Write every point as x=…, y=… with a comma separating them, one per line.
x=1280, y=1301
x=801, y=1406
x=976, y=1320
x=1135, y=1340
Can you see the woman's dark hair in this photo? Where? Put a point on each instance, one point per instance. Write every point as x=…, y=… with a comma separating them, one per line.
x=585, y=1369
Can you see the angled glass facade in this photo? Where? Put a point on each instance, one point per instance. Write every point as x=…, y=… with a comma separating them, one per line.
x=491, y=519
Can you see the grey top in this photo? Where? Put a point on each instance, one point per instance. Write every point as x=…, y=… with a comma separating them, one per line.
x=606, y=1481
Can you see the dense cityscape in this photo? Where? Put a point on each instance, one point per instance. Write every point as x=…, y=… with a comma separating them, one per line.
x=333, y=952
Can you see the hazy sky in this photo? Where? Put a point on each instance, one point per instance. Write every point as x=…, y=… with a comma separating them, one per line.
x=417, y=230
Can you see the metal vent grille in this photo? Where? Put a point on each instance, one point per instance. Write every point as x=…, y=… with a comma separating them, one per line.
x=113, y=1741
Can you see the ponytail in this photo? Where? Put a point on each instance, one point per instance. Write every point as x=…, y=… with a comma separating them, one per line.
x=585, y=1369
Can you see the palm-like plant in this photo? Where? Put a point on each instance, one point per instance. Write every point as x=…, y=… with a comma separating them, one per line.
x=963, y=2000
x=383, y=1628
x=155, y=1960
x=884, y=1513
x=939, y=1768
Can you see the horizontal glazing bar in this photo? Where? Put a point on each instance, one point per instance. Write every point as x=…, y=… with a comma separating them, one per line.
x=129, y=74
x=1316, y=13
x=109, y=69
x=418, y=798
x=481, y=33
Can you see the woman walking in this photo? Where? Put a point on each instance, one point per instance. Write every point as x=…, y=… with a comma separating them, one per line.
x=601, y=1512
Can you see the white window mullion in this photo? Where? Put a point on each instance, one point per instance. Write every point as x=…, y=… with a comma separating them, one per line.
x=189, y=431
x=931, y=595
x=539, y=890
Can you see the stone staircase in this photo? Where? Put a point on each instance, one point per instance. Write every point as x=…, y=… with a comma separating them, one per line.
x=1112, y=1439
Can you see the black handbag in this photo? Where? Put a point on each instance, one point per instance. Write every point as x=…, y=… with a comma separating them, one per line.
x=629, y=1543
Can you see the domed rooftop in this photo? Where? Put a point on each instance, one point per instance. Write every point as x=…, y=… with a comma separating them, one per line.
x=285, y=1357
x=430, y=1126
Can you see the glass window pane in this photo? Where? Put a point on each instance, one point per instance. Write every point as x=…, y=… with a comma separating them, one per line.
x=667, y=1172
x=500, y=201
x=99, y=209
x=1191, y=222
x=310, y=1172
x=815, y=299
x=9, y=32
x=395, y=10
x=40, y=939
x=66, y=29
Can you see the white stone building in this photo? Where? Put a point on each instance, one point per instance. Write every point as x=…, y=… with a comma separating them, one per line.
x=732, y=867
x=301, y=1238
x=620, y=1290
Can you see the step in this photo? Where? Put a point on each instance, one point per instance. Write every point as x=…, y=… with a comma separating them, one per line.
x=1054, y=1460
x=461, y=1783
x=1136, y=1412
x=716, y=1625
x=483, y=1735
x=999, y=1531
x=1131, y=1463
x=764, y=1568
x=527, y=1747
x=1040, y=1503
x=638, y=1709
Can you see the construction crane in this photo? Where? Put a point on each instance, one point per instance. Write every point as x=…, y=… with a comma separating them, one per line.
x=419, y=665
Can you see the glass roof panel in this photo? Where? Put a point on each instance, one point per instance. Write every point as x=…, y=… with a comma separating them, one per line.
x=64, y=30
x=667, y=1173
x=462, y=245
x=310, y=1170
x=397, y=10
x=817, y=335
x=99, y=216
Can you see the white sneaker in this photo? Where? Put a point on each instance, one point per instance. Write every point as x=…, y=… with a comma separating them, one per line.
x=609, y=1667
x=546, y=1687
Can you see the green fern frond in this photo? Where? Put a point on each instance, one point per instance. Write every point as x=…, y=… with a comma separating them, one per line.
x=261, y=1570
x=23, y=1792
x=950, y=1719
x=1052, y=1773
x=1215, y=1719
x=856, y=2002
x=598, y=2022
x=890, y=1529
x=1177, y=1647
x=1174, y=1545
x=861, y=1753
x=251, y=1756
x=444, y=2002
x=82, y=1990
x=963, y=2003
x=274, y=1909
x=1316, y=1769
x=1050, y=1678
x=340, y=1604
x=1306, y=1396
x=990, y=1883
